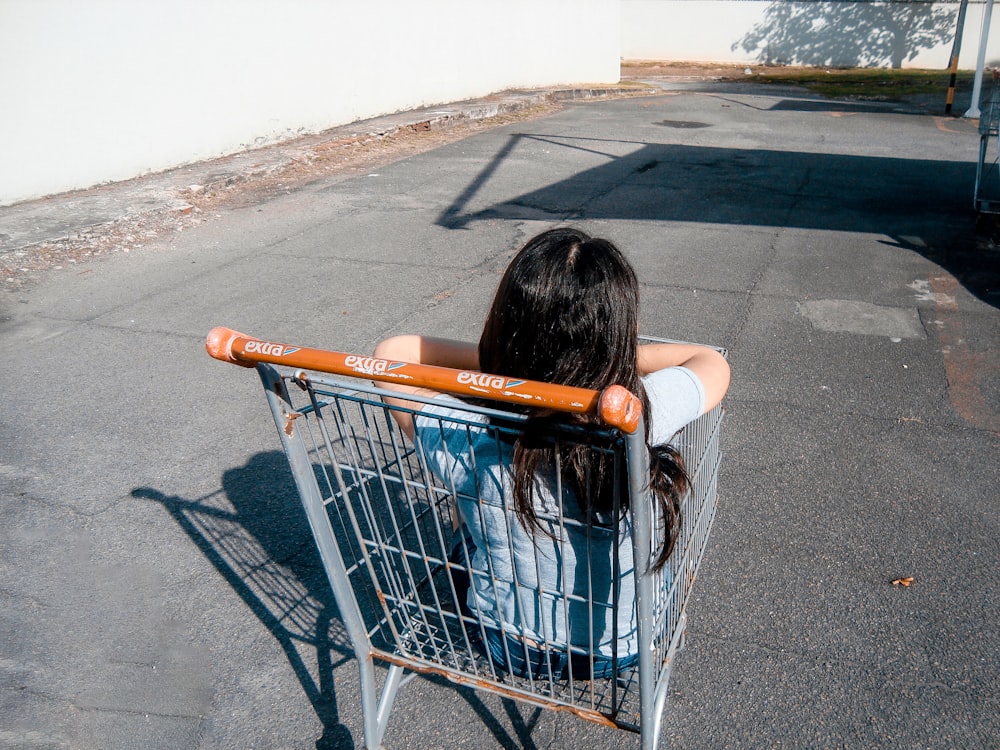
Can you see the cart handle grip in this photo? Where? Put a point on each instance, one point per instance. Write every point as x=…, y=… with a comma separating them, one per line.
x=615, y=405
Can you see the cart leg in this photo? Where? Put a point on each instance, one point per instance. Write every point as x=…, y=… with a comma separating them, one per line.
x=374, y=709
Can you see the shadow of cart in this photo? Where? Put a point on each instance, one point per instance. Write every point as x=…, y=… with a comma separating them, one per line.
x=254, y=533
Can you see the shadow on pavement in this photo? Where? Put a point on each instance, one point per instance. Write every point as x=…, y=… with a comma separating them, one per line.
x=923, y=205
x=254, y=532
x=831, y=105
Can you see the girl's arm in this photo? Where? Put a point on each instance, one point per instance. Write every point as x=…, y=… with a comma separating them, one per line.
x=710, y=367
x=423, y=350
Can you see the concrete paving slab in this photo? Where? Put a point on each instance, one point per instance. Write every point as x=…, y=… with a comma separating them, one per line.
x=667, y=260
x=836, y=547
x=873, y=374
x=413, y=239
x=819, y=265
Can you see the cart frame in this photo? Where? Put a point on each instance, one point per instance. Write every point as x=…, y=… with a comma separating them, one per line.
x=382, y=523
x=987, y=189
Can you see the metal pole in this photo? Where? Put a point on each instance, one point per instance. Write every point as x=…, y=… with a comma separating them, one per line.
x=956, y=49
x=643, y=518
x=977, y=87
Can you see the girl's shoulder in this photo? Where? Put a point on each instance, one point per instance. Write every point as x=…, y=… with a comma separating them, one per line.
x=676, y=397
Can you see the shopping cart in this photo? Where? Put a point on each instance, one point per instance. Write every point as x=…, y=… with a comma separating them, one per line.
x=385, y=530
x=987, y=189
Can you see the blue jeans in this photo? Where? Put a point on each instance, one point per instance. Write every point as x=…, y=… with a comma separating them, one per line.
x=527, y=660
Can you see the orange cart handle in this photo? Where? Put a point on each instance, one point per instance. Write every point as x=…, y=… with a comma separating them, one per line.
x=615, y=405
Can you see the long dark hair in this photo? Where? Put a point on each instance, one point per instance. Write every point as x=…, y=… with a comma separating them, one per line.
x=566, y=312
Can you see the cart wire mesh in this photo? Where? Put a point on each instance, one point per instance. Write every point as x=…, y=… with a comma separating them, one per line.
x=393, y=522
x=987, y=190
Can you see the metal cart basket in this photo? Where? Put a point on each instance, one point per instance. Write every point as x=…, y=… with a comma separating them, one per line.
x=399, y=565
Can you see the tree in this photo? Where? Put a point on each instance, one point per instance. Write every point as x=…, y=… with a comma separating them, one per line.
x=848, y=34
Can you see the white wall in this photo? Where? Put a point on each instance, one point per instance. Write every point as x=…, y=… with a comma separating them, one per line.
x=94, y=91
x=712, y=31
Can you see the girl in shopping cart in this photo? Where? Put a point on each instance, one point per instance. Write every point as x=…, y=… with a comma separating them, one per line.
x=565, y=312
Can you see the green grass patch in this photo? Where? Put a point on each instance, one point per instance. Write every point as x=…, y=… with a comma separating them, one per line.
x=863, y=83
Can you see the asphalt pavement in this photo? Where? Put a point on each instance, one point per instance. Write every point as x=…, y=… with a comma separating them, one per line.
x=158, y=586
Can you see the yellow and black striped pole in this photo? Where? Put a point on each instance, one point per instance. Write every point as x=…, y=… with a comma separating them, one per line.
x=956, y=48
